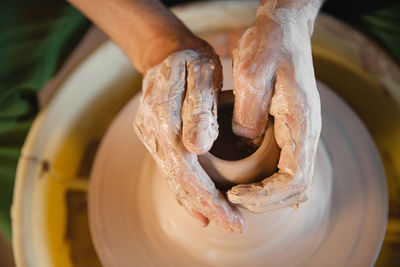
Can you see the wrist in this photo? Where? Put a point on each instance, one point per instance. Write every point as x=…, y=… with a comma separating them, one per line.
x=299, y=14
x=162, y=46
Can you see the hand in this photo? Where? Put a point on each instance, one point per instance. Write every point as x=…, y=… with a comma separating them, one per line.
x=273, y=74
x=176, y=120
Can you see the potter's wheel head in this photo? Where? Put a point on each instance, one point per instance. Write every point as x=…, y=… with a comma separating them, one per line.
x=135, y=220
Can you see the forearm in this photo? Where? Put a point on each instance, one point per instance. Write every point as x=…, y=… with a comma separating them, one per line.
x=144, y=29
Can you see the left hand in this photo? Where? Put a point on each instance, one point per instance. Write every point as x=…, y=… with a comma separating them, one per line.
x=177, y=121
x=273, y=74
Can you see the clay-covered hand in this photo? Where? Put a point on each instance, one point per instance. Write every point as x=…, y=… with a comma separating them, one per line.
x=176, y=120
x=273, y=74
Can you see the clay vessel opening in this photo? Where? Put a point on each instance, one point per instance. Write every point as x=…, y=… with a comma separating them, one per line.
x=229, y=146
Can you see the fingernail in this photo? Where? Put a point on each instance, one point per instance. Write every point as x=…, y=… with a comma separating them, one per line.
x=199, y=140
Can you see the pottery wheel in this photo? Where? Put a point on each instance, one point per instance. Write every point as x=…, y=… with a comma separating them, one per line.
x=136, y=221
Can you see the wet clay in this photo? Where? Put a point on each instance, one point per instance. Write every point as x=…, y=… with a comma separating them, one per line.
x=234, y=160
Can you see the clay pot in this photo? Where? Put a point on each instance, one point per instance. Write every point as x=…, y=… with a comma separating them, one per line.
x=230, y=161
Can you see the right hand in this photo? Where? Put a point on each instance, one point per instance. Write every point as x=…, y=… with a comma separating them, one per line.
x=273, y=74
x=176, y=121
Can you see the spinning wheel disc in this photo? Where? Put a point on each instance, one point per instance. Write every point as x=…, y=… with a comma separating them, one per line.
x=135, y=220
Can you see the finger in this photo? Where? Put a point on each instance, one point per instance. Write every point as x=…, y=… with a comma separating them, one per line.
x=199, y=111
x=191, y=182
x=200, y=218
x=160, y=104
x=253, y=78
x=297, y=137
